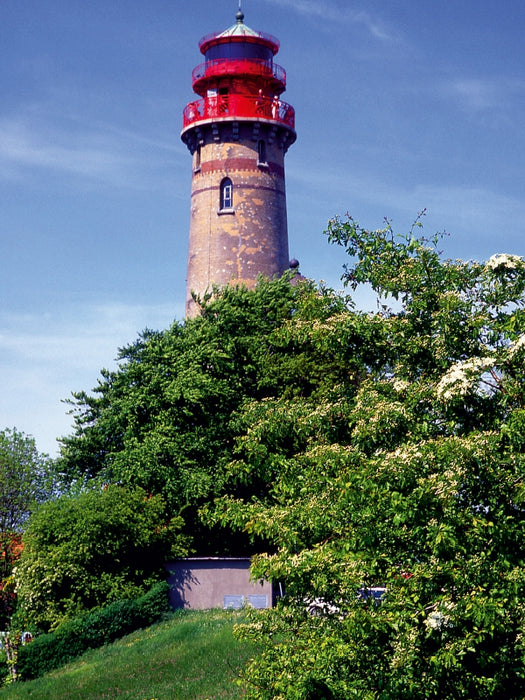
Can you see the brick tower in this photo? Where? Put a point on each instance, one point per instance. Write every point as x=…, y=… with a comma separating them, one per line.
x=238, y=133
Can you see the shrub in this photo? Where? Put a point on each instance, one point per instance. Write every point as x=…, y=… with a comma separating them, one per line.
x=103, y=626
x=82, y=552
x=4, y=668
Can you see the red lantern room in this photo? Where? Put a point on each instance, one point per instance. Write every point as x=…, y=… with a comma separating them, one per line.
x=238, y=133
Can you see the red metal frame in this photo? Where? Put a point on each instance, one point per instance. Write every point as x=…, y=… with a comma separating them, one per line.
x=239, y=107
x=239, y=66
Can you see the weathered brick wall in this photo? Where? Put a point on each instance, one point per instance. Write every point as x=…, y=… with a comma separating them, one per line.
x=251, y=239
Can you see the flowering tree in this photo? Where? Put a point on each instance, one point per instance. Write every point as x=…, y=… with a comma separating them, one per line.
x=25, y=479
x=395, y=506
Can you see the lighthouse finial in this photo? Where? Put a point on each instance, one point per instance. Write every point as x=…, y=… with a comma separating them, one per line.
x=240, y=15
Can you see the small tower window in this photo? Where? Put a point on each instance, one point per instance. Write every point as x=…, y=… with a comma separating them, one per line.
x=226, y=201
x=261, y=153
x=197, y=161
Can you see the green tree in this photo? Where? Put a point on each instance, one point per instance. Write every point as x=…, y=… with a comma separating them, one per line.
x=82, y=552
x=164, y=420
x=366, y=453
x=401, y=479
x=25, y=479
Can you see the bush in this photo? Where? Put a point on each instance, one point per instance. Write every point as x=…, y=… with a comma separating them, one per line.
x=4, y=668
x=83, y=552
x=103, y=626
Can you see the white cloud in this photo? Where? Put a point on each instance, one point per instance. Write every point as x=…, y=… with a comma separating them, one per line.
x=480, y=219
x=98, y=152
x=79, y=337
x=328, y=11
x=475, y=93
x=44, y=358
x=22, y=145
x=482, y=93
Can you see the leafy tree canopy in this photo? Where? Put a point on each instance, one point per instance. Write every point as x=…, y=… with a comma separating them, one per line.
x=84, y=551
x=370, y=455
x=400, y=480
x=25, y=479
x=166, y=418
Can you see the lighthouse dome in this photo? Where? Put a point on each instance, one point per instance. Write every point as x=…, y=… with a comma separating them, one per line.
x=239, y=28
x=239, y=33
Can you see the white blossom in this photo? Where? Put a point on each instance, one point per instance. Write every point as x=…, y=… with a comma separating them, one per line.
x=503, y=260
x=518, y=345
x=461, y=377
x=400, y=385
x=437, y=620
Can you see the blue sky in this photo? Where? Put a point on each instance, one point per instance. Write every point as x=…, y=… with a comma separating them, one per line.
x=400, y=106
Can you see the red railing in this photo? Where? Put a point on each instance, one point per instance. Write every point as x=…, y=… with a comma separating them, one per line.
x=239, y=107
x=241, y=66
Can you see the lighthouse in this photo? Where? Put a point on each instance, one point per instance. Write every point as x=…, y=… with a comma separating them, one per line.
x=238, y=133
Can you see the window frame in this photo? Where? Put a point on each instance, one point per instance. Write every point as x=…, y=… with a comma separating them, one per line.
x=226, y=195
x=197, y=165
x=262, y=159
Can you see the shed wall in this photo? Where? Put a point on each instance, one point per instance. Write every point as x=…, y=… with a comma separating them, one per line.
x=201, y=584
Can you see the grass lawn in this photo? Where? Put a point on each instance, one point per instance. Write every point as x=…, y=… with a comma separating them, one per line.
x=191, y=656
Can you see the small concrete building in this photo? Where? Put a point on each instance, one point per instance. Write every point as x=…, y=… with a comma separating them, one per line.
x=213, y=582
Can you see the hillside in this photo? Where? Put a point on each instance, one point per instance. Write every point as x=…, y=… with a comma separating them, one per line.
x=193, y=656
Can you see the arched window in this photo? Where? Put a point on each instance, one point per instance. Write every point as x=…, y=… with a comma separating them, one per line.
x=261, y=153
x=226, y=194
x=197, y=161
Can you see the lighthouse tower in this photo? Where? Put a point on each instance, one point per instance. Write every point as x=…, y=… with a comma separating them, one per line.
x=238, y=133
